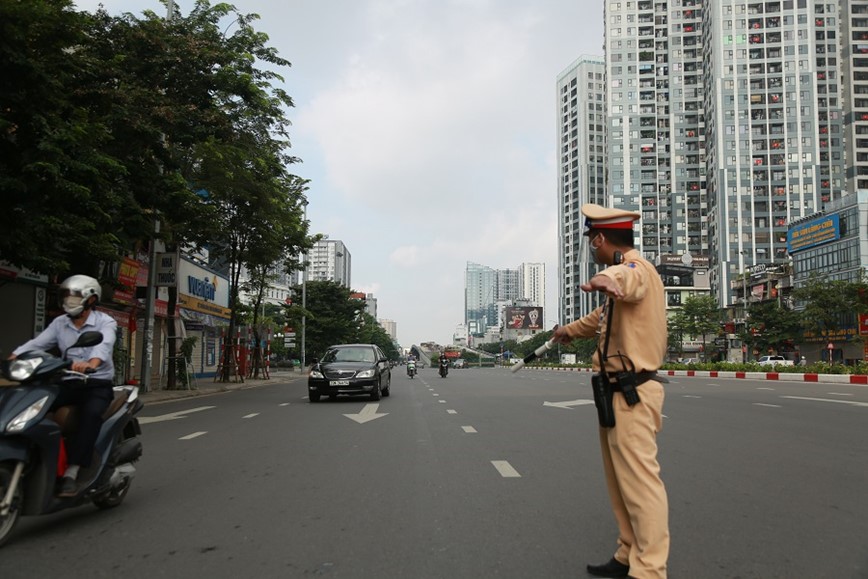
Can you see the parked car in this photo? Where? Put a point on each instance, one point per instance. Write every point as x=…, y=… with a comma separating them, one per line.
x=459, y=363
x=774, y=361
x=690, y=361
x=350, y=369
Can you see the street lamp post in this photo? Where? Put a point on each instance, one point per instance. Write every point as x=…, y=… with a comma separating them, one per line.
x=303, y=297
x=746, y=271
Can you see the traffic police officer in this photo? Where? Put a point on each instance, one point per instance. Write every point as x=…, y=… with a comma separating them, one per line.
x=638, y=335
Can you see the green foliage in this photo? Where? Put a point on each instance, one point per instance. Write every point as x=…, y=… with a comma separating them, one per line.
x=770, y=326
x=831, y=305
x=186, y=351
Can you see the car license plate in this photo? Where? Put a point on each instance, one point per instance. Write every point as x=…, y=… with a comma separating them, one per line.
x=339, y=383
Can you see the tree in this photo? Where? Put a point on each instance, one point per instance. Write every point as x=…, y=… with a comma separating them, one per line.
x=677, y=327
x=371, y=332
x=771, y=326
x=830, y=306
x=330, y=313
x=701, y=316
x=54, y=166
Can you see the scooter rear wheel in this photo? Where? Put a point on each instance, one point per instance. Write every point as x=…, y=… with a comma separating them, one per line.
x=8, y=522
x=114, y=497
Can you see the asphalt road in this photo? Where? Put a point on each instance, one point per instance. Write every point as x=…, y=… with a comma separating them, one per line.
x=481, y=474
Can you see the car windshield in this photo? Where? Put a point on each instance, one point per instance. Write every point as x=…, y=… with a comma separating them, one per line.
x=349, y=355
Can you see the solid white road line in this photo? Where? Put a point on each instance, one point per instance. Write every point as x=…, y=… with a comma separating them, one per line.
x=765, y=388
x=251, y=415
x=505, y=469
x=850, y=402
x=691, y=396
x=838, y=394
x=468, y=429
x=194, y=435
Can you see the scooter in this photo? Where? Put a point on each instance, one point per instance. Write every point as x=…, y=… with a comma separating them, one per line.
x=444, y=368
x=31, y=440
x=411, y=369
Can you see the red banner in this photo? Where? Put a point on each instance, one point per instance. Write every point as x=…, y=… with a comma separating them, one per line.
x=863, y=324
x=127, y=275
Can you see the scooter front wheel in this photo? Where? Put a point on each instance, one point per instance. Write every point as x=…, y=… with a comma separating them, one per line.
x=8, y=521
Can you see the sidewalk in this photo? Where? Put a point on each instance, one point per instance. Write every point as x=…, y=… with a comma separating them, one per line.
x=207, y=386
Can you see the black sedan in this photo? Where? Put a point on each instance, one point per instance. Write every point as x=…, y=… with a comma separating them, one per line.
x=350, y=369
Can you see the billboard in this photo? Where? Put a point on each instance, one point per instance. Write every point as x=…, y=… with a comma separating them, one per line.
x=815, y=232
x=524, y=318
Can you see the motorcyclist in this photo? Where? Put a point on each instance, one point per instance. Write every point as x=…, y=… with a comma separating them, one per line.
x=444, y=363
x=411, y=364
x=79, y=296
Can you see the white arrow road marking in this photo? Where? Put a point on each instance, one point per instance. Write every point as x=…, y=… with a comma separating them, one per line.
x=194, y=435
x=850, y=402
x=450, y=411
x=172, y=415
x=368, y=413
x=251, y=415
x=468, y=429
x=505, y=469
x=568, y=404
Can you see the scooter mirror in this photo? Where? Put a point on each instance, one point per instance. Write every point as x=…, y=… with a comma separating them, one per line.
x=86, y=340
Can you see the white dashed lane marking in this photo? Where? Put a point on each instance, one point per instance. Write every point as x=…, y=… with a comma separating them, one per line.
x=468, y=429
x=194, y=435
x=766, y=405
x=251, y=415
x=505, y=469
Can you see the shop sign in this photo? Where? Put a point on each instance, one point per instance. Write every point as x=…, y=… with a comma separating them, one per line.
x=167, y=270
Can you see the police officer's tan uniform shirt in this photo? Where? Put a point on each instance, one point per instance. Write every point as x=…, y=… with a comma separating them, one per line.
x=639, y=321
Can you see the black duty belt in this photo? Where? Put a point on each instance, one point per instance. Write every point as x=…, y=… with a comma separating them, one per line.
x=641, y=378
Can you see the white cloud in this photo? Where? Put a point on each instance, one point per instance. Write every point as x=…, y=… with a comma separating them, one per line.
x=427, y=129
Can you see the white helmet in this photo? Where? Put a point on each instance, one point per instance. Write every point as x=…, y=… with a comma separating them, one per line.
x=75, y=291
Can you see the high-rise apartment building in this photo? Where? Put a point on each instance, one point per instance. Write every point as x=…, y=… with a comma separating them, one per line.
x=726, y=121
x=486, y=290
x=656, y=138
x=480, y=294
x=532, y=284
x=774, y=122
x=330, y=260
x=581, y=122
x=854, y=83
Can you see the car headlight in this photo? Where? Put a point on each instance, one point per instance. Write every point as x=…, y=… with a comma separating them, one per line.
x=21, y=369
x=366, y=374
x=18, y=423
x=316, y=374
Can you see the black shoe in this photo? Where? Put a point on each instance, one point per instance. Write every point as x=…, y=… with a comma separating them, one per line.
x=67, y=487
x=613, y=568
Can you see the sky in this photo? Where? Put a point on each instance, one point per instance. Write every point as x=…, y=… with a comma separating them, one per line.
x=427, y=129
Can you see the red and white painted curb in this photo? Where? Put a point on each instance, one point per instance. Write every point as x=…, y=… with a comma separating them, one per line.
x=779, y=376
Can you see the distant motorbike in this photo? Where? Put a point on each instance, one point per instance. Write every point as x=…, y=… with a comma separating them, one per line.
x=411, y=369
x=444, y=368
x=31, y=438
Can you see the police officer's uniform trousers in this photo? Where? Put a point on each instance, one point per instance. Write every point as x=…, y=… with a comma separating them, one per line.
x=636, y=491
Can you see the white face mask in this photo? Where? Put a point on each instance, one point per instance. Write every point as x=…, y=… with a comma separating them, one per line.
x=593, y=249
x=73, y=305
